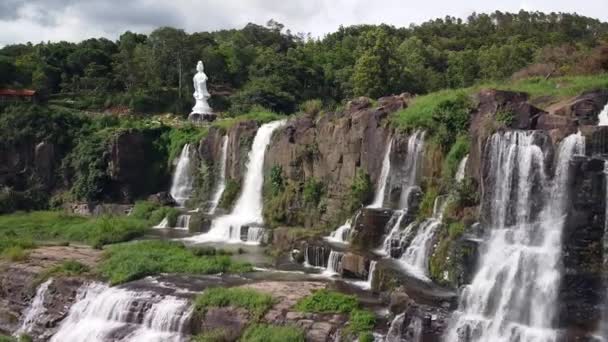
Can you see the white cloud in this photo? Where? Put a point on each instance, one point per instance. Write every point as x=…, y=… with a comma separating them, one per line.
x=73, y=20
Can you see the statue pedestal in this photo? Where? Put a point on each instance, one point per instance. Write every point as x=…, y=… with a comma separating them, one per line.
x=202, y=117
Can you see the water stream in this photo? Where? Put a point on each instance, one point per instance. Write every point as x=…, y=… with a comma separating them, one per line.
x=248, y=208
x=182, y=185
x=35, y=310
x=513, y=296
x=219, y=191
x=382, y=180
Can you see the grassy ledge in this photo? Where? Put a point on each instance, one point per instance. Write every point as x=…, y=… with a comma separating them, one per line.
x=253, y=301
x=131, y=261
x=270, y=333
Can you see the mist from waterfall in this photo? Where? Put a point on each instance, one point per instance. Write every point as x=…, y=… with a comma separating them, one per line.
x=415, y=150
x=513, y=296
x=182, y=185
x=35, y=310
x=248, y=207
x=101, y=311
x=219, y=191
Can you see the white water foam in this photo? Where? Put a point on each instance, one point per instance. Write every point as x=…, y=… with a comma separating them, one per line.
x=217, y=195
x=181, y=187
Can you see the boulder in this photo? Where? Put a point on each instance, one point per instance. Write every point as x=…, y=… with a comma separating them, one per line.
x=355, y=266
x=230, y=320
x=359, y=103
x=394, y=103
x=369, y=228
x=583, y=108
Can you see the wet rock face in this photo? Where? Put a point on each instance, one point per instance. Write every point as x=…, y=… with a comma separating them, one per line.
x=582, y=288
x=44, y=159
x=494, y=106
x=355, y=266
x=18, y=285
x=584, y=108
x=369, y=228
x=240, y=138
x=331, y=149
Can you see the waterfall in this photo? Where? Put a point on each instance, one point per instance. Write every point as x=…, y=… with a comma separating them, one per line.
x=315, y=256
x=341, y=234
x=183, y=222
x=602, y=331
x=163, y=224
x=381, y=187
x=248, y=207
x=181, y=187
x=513, y=296
x=35, y=310
x=165, y=321
x=603, y=116
x=370, y=274
x=101, y=311
x=462, y=166
x=415, y=149
x=215, y=200
x=334, y=263
x=255, y=234
x=416, y=256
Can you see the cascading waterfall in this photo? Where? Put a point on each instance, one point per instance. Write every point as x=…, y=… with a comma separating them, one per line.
x=255, y=234
x=183, y=222
x=315, y=256
x=513, y=296
x=162, y=224
x=35, y=310
x=164, y=322
x=415, y=149
x=215, y=200
x=341, y=234
x=334, y=263
x=101, y=311
x=248, y=207
x=181, y=188
x=416, y=256
x=462, y=166
x=603, y=116
x=381, y=186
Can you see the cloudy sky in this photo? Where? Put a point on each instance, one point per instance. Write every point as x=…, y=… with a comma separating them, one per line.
x=73, y=20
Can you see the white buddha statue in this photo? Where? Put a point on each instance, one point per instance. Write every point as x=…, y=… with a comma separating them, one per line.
x=200, y=91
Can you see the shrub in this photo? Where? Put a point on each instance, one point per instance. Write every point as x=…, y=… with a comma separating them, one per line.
x=459, y=150
x=15, y=253
x=131, y=261
x=361, y=321
x=361, y=191
x=277, y=184
x=312, y=107
x=231, y=192
x=270, y=333
x=325, y=301
x=313, y=191
x=255, y=302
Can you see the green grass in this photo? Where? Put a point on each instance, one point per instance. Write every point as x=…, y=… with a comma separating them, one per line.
x=419, y=114
x=260, y=115
x=255, y=302
x=215, y=335
x=270, y=333
x=326, y=301
x=69, y=268
x=24, y=229
x=15, y=253
x=361, y=321
x=131, y=261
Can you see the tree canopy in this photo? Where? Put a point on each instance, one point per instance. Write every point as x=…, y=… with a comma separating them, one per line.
x=272, y=67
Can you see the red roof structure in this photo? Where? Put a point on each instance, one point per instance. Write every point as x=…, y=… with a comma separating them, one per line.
x=17, y=92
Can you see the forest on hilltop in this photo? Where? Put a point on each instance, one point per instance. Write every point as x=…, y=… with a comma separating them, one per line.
x=276, y=69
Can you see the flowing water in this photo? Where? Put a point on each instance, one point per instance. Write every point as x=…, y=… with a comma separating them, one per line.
x=334, y=263
x=603, y=116
x=248, y=207
x=162, y=224
x=215, y=200
x=181, y=187
x=416, y=257
x=381, y=186
x=341, y=234
x=35, y=310
x=183, y=222
x=315, y=256
x=462, y=166
x=415, y=149
x=513, y=296
x=104, y=313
